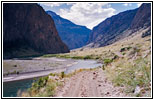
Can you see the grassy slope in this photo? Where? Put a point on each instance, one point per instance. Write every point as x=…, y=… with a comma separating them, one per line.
x=127, y=62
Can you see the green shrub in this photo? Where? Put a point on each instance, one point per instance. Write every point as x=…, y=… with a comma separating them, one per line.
x=122, y=49
x=107, y=61
x=103, y=67
x=52, y=74
x=40, y=83
x=128, y=48
x=115, y=57
x=62, y=74
x=87, y=57
x=123, y=53
x=50, y=55
x=77, y=57
x=97, y=57
x=125, y=48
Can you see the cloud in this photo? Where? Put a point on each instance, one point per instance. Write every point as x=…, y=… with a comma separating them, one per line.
x=87, y=14
x=139, y=4
x=127, y=4
x=52, y=4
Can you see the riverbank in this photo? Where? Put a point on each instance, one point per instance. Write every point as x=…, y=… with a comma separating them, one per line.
x=38, y=67
x=17, y=69
x=19, y=66
x=30, y=75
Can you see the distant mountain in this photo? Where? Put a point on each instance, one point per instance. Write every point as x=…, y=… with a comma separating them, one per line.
x=120, y=26
x=75, y=36
x=28, y=30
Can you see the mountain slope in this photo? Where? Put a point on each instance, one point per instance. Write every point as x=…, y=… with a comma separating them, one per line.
x=120, y=26
x=142, y=17
x=28, y=29
x=73, y=35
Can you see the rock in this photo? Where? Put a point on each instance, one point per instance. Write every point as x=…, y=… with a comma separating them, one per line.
x=28, y=30
x=54, y=77
x=107, y=93
x=147, y=33
x=137, y=90
x=142, y=17
x=15, y=66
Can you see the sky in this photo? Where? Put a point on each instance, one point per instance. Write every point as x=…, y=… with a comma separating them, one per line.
x=88, y=14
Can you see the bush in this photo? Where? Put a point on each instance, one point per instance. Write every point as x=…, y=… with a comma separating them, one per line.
x=62, y=74
x=128, y=48
x=50, y=55
x=115, y=57
x=40, y=83
x=87, y=57
x=107, y=61
x=123, y=53
x=52, y=74
x=103, y=67
x=122, y=49
x=77, y=57
x=125, y=48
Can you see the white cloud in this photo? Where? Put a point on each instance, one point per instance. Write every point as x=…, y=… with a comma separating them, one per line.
x=52, y=4
x=127, y=4
x=87, y=14
x=139, y=4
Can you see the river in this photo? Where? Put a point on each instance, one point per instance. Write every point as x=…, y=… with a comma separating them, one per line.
x=12, y=84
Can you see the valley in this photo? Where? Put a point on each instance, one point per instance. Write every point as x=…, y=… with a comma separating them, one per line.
x=50, y=56
x=125, y=72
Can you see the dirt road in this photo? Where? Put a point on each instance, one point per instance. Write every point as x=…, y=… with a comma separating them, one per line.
x=89, y=84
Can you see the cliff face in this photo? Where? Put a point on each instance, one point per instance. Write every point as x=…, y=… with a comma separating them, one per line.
x=28, y=27
x=142, y=18
x=73, y=35
x=120, y=26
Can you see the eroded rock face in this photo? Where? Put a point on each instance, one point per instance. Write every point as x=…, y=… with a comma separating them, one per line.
x=120, y=26
x=28, y=27
x=142, y=18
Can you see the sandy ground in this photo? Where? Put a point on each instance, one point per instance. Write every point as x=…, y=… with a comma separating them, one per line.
x=29, y=75
x=36, y=64
x=34, y=68
x=89, y=84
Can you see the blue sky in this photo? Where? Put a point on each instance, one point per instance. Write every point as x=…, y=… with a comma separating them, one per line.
x=88, y=14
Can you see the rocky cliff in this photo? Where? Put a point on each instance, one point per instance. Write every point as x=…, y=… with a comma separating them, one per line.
x=75, y=36
x=26, y=28
x=142, y=17
x=120, y=26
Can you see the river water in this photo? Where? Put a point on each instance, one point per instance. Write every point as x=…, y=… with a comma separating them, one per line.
x=10, y=89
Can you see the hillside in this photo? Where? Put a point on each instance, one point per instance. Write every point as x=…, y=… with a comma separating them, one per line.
x=27, y=30
x=127, y=64
x=75, y=36
x=120, y=26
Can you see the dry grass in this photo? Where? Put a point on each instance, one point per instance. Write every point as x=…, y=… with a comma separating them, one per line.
x=128, y=62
